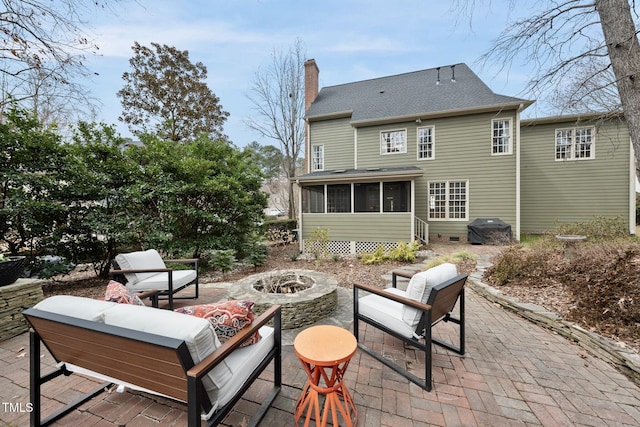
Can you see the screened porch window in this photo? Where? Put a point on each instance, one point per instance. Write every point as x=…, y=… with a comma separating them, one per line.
x=367, y=197
x=339, y=198
x=313, y=199
x=397, y=196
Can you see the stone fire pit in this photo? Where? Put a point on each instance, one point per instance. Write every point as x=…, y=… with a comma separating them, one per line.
x=306, y=296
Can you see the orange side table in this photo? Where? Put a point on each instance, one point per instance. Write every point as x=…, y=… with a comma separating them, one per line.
x=325, y=352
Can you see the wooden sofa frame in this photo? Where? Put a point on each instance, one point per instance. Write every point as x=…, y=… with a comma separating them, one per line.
x=119, y=275
x=441, y=302
x=159, y=364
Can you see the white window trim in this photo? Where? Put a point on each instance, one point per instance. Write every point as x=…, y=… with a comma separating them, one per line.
x=433, y=143
x=404, y=148
x=447, y=217
x=313, y=169
x=572, y=151
x=511, y=131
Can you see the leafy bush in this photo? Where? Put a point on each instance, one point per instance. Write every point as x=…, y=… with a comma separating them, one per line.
x=376, y=257
x=403, y=252
x=221, y=259
x=521, y=265
x=257, y=254
x=47, y=267
x=318, y=244
x=454, y=258
x=597, y=229
x=604, y=279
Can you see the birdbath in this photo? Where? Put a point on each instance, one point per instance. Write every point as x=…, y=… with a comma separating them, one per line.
x=570, y=241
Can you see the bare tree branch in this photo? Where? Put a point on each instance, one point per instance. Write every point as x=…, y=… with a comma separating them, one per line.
x=277, y=95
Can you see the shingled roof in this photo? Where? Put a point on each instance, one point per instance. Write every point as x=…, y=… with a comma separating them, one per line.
x=418, y=94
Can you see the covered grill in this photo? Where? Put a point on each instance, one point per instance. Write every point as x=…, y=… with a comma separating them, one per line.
x=488, y=230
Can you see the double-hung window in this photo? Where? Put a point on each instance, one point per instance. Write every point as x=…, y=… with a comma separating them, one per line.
x=575, y=143
x=448, y=200
x=426, y=148
x=393, y=141
x=501, y=136
x=317, y=158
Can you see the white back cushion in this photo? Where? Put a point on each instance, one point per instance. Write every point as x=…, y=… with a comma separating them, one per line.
x=79, y=307
x=420, y=286
x=197, y=333
x=139, y=260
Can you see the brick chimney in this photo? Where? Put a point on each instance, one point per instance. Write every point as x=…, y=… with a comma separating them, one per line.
x=311, y=73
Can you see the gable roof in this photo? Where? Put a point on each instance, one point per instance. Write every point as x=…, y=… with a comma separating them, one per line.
x=410, y=96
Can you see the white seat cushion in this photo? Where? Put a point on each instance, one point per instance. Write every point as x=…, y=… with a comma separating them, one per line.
x=140, y=260
x=386, y=312
x=420, y=286
x=197, y=333
x=243, y=361
x=160, y=281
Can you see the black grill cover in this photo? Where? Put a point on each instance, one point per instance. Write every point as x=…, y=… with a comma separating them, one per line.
x=483, y=230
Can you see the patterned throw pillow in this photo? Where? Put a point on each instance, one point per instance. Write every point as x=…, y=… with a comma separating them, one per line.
x=117, y=292
x=227, y=318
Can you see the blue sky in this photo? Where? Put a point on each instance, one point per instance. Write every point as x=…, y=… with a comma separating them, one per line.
x=350, y=40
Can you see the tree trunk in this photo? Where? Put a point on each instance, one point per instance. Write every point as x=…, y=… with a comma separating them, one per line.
x=624, y=53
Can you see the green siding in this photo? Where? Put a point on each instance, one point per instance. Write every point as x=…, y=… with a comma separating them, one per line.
x=462, y=153
x=361, y=227
x=575, y=190
x=337, y=136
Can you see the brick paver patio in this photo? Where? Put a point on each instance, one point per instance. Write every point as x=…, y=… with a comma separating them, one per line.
x=514, y=374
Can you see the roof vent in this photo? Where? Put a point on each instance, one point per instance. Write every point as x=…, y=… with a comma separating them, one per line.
x=381, y=90
x=438, y=81
x=453, y=74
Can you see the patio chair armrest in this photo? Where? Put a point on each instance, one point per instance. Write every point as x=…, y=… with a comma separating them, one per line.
x=183, y=261
x=394, y=297
x=210, y=362
x=145, y=270
x=401, y=273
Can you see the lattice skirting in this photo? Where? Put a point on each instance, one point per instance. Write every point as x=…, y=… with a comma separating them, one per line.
x=344, y=247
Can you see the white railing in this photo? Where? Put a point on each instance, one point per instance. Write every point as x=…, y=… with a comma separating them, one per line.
x=421, y=230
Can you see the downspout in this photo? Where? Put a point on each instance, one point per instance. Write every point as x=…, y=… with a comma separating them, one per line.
x=632, y=189
x=300, y=245
x=518, y=194
x=413, y=211
x=355, y=148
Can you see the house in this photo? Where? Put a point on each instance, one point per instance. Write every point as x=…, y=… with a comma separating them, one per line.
x=420, y=155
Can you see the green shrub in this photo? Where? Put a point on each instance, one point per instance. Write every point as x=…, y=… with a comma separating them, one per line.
x=46, y=268
x=404, y=252
x=222, y=259
x=257, y=254
x=376, y=257
x=454, y=258
x=524, y=265
x=318, y=244
x=599, y=228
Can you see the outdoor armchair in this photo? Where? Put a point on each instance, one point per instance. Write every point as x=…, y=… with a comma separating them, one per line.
x=431, y=297
x=145, y=270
